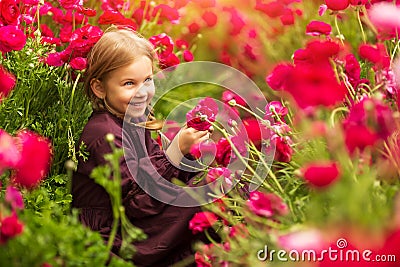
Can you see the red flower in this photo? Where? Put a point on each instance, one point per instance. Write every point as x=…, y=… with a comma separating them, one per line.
x=272, y=9
x=203, y=149
x=206, y=107
x=54, y=59
x=283, y=148
x=71, y=4
x=368, y=121
x=35, y=159
x=224, y=152
x=166, y=13
x=210, y=18
x=7, y=83
x=275, y=108
x=78, y=63
x=255, y=131
x=288, y=17
x=10, y=227
x=266, y=205
x=375, y=54
x=201, y=221
x=115, y=17
x=9, y=153
x=315, y=28
x=11, y=38
x=82, y=40
x=9, y=12
x=277, y=78
x=228, y=95
x=320, y=174
x=163, y=43
x=337, y=5
x=352, y=69
x=194, y=27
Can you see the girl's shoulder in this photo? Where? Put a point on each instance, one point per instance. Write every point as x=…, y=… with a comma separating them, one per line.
x=99, y=125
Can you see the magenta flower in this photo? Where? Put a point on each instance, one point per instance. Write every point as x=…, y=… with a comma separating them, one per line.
x=71, y=4
x=163, y=43
x=203, y=149
x=54, y=59
x=35, y=159
x=266, y=204
x=7, y=82
x=14, y=198
x=385, y=16
x=224, y=152
x=376, y=54
x=202, y=221
x=10, y=227
x=9, y=153
x=215, y=173
x=283, y=148
x=206, y=109
x=78, y=63
x=210, y=18
x=320, y=174
x=315, y=28
x=275, y=108
x=9, y=12
x=368, y=121
x=188, y=56
x=228, y=95
x=82, y=40
x=11, y=38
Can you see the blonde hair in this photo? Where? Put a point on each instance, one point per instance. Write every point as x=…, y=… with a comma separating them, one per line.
x=118, y=47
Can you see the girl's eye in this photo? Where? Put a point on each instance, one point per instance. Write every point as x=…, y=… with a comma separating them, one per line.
x=149, y=79
x=129, y=83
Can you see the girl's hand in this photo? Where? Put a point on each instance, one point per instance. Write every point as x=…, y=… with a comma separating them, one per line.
x=183, y=141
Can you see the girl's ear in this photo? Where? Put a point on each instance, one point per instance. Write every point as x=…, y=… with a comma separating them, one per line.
x=97, y=88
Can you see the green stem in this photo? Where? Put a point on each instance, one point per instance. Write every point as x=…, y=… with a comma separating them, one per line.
x=361, y=27
x=338, y=30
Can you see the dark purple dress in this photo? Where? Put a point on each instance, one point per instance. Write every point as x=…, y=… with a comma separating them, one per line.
x=168, y=238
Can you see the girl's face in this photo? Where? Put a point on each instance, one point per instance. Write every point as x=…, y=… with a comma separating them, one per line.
x=130, y=86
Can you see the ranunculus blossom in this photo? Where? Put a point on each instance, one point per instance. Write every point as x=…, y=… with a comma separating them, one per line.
x=78, y=63
x=288, y=17
x=10, y=227
x=385, y=16
x=9, y=12
x=115, y=17
x=35, y=159
x=7, y=82
x=266, y=204
x=163, y=43
x=277, y=78
x=206, y=107
x=71, y=4
x=14, y=198
x=224, y=152
x=376, y=54
x=169, y=61
x=202, y=221
x=203, y=149
x=320, y=174
x=272, y=9
x=54, y=59
x=337, y=5
x=11, y=38
x=215, y=173
x=82, y=40
x=315, y=28
x=228, y=95
x=275, y=108
x=188, y=56
x=166, y=13
x=9, y=153
x=283, y=148
x=255, y=131
x=210, y=18
x=369, y=120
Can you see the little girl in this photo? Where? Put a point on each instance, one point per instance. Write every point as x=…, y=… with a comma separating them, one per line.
x=118, y=75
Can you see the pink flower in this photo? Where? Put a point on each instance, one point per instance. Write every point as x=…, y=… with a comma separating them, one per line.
x=163, y=43
x=11, y=38
x=273, y=9
x=82, y=40
x=169, y=61
x=206, y=107
x=309, y=239
x=215, y=173
x=255, y=131
x=277, y=78
x=166, y=13
x=315, y=28
x=7, y=82
x=320, y=174
x=9, y=153
x=224, y=152
x=228, y=95
x=203, y=149
x=275, y=108
x=10, y=227
x=188, y=56
x=14, y=198
x=78, y=63
x=337, y=5
x=35, y=159
x=288, y=17
x=202, y=221
x=9, y=12
x=54, y=59
x=266, y=204
x=385, y=16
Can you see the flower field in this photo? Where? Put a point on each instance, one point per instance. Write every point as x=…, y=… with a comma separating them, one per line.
x=320, y=158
